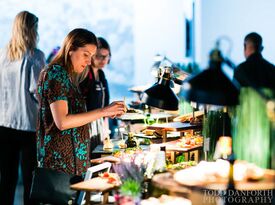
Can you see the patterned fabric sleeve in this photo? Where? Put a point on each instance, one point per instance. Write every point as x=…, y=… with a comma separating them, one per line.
x=57, y=85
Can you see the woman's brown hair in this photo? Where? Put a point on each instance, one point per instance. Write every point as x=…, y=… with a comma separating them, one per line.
x=75, y=39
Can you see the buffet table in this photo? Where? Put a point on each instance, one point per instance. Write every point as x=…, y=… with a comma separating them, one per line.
x=96, y=184
x=141, y=118
x=174, y=127
x=188, y=151
x=105, y=152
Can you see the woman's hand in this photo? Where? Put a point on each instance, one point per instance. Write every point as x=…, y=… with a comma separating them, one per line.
x=63, y=120
x=115, y=109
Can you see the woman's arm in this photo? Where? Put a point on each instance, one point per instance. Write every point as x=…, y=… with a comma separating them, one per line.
x=64, y=121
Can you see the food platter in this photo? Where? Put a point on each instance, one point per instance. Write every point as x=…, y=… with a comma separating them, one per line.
x=169, y=135
x=141, y=116
x=207, y=176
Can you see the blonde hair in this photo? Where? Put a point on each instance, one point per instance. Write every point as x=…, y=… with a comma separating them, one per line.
x=24, y=35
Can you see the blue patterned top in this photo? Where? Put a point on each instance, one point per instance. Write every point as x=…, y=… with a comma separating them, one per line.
x=55, y=147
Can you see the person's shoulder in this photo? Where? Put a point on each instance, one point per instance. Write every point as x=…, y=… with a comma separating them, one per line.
x=268, y=63
x=36, y=55
x=56, y=71
x=55, y=68
x=4, y=62
x=241, y=66
x=39, y=52
x=3, y=52
x=240, y=70
x=101, y=74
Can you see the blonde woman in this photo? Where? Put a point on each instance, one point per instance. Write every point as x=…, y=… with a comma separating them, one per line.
x=20, y=65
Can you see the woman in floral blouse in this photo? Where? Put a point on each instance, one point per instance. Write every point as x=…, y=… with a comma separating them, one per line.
x=63, y=132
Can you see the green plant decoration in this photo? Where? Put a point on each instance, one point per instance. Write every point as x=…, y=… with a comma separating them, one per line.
x=212, y=129
x=180, y=158
x=130, y=188
x=184, y=107
x=251, y=133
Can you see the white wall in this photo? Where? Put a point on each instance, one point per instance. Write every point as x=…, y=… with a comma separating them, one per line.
x=158, y=28
x=235, y=19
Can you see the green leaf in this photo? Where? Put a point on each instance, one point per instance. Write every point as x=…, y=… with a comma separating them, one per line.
x=130, y=188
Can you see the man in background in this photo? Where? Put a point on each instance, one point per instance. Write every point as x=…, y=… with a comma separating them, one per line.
x=255, y=71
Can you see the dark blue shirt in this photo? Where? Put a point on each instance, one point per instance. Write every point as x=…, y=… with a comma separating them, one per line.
x=96, y=92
